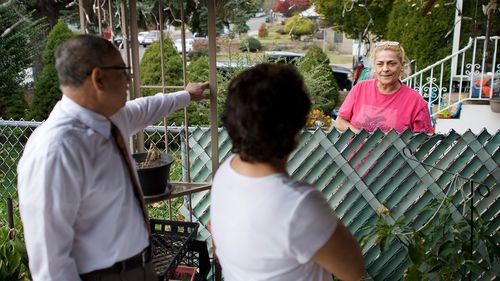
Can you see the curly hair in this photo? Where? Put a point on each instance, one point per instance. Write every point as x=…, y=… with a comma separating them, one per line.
x=266, y=107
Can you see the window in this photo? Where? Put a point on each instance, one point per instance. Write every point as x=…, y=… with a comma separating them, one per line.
x=338, y=37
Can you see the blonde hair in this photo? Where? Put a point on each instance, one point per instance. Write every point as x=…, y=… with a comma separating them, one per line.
x=397, y=49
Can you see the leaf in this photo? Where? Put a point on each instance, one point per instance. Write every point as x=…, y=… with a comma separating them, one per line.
x=446, y=249
x=416, y=253
x=435, y=268
x=413, y=274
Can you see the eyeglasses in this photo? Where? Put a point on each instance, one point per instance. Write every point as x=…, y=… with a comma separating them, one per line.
x=126, y=69
x=387, y=43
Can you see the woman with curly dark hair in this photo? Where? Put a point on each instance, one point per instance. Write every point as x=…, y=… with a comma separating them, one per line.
x=267, y=226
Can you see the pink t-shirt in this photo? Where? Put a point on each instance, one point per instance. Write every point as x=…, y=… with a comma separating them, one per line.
x=365, y=107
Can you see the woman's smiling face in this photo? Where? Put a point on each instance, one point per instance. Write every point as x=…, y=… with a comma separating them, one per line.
x=388, y=67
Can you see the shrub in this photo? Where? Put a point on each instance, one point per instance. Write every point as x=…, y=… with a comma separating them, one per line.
x=263, y=32
x=319, y=80
x=298, y=26
x=47, y=91
x=200, y=49
x=250, y=44
x=151, y=66
x=316, y=53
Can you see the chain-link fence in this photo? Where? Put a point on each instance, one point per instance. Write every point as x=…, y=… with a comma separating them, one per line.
x=13, y=137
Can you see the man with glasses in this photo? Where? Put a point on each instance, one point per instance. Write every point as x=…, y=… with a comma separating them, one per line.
x=83, y=218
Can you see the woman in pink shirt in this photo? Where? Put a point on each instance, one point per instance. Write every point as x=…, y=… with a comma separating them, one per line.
x=385, y=102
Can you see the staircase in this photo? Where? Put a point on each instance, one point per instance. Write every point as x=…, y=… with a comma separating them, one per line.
x=459, y=87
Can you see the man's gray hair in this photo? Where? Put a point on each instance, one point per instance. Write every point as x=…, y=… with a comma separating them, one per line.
x=76, y=58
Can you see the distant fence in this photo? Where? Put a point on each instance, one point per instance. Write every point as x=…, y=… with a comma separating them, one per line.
x=356, y=173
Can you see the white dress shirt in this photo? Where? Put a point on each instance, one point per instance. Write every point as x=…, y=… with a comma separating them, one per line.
x=76, y=199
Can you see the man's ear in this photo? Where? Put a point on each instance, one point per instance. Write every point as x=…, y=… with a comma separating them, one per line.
x=96, y=77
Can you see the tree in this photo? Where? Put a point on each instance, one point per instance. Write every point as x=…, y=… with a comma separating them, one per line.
x=151, y=66
x=229, y=12
x=297, y=26
x=422, y=37
x=355, y=19
x=150, y=70
x=285, y=6
x=19, y=43
x=47, y=91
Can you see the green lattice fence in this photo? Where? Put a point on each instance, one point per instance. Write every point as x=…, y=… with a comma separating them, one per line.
x=359, y=173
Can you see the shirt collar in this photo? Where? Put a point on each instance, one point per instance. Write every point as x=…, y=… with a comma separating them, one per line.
x=93, y=120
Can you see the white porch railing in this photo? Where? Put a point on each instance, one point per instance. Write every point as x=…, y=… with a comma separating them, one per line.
x=472, y=73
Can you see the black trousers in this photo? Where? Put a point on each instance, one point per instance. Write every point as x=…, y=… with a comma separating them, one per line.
x=146, y=273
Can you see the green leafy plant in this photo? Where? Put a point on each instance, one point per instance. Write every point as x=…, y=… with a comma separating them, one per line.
x=13, y=255
x=441, y=248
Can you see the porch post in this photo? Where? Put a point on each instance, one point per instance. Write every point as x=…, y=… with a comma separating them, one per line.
x=456, y=35
x=82, y=17
x=212, y=53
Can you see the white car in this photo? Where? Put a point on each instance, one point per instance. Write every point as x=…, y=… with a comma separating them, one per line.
x=141, y=36
x=189, y=45
x=151, y=37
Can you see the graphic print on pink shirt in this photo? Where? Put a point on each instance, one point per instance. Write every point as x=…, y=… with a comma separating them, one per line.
x=373, y=117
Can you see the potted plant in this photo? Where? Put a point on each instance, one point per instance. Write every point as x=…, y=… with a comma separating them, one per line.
x=153, y=169
x=317, y=119
x=495, y=96
x=495, y=101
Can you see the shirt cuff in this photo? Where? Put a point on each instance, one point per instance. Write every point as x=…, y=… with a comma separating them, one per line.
x=182, y=97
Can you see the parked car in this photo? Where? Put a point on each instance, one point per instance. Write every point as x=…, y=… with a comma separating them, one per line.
x=343, y=77
x=199, y=36
x=283, y=57
x=189, y=45
x=151, y=37
x=141, y=36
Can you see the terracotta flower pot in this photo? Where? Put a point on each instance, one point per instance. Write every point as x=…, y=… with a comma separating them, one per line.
x=495, y=105
x=154, y=178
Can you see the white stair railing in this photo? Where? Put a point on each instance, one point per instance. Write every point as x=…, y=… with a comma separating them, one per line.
x=476, y=76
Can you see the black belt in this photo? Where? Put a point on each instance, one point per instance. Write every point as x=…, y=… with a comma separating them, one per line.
x=139, y=260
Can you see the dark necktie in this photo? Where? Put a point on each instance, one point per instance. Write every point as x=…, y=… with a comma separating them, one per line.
x=115, y=132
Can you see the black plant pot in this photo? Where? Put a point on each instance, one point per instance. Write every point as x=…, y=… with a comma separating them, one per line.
x=155, y=178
